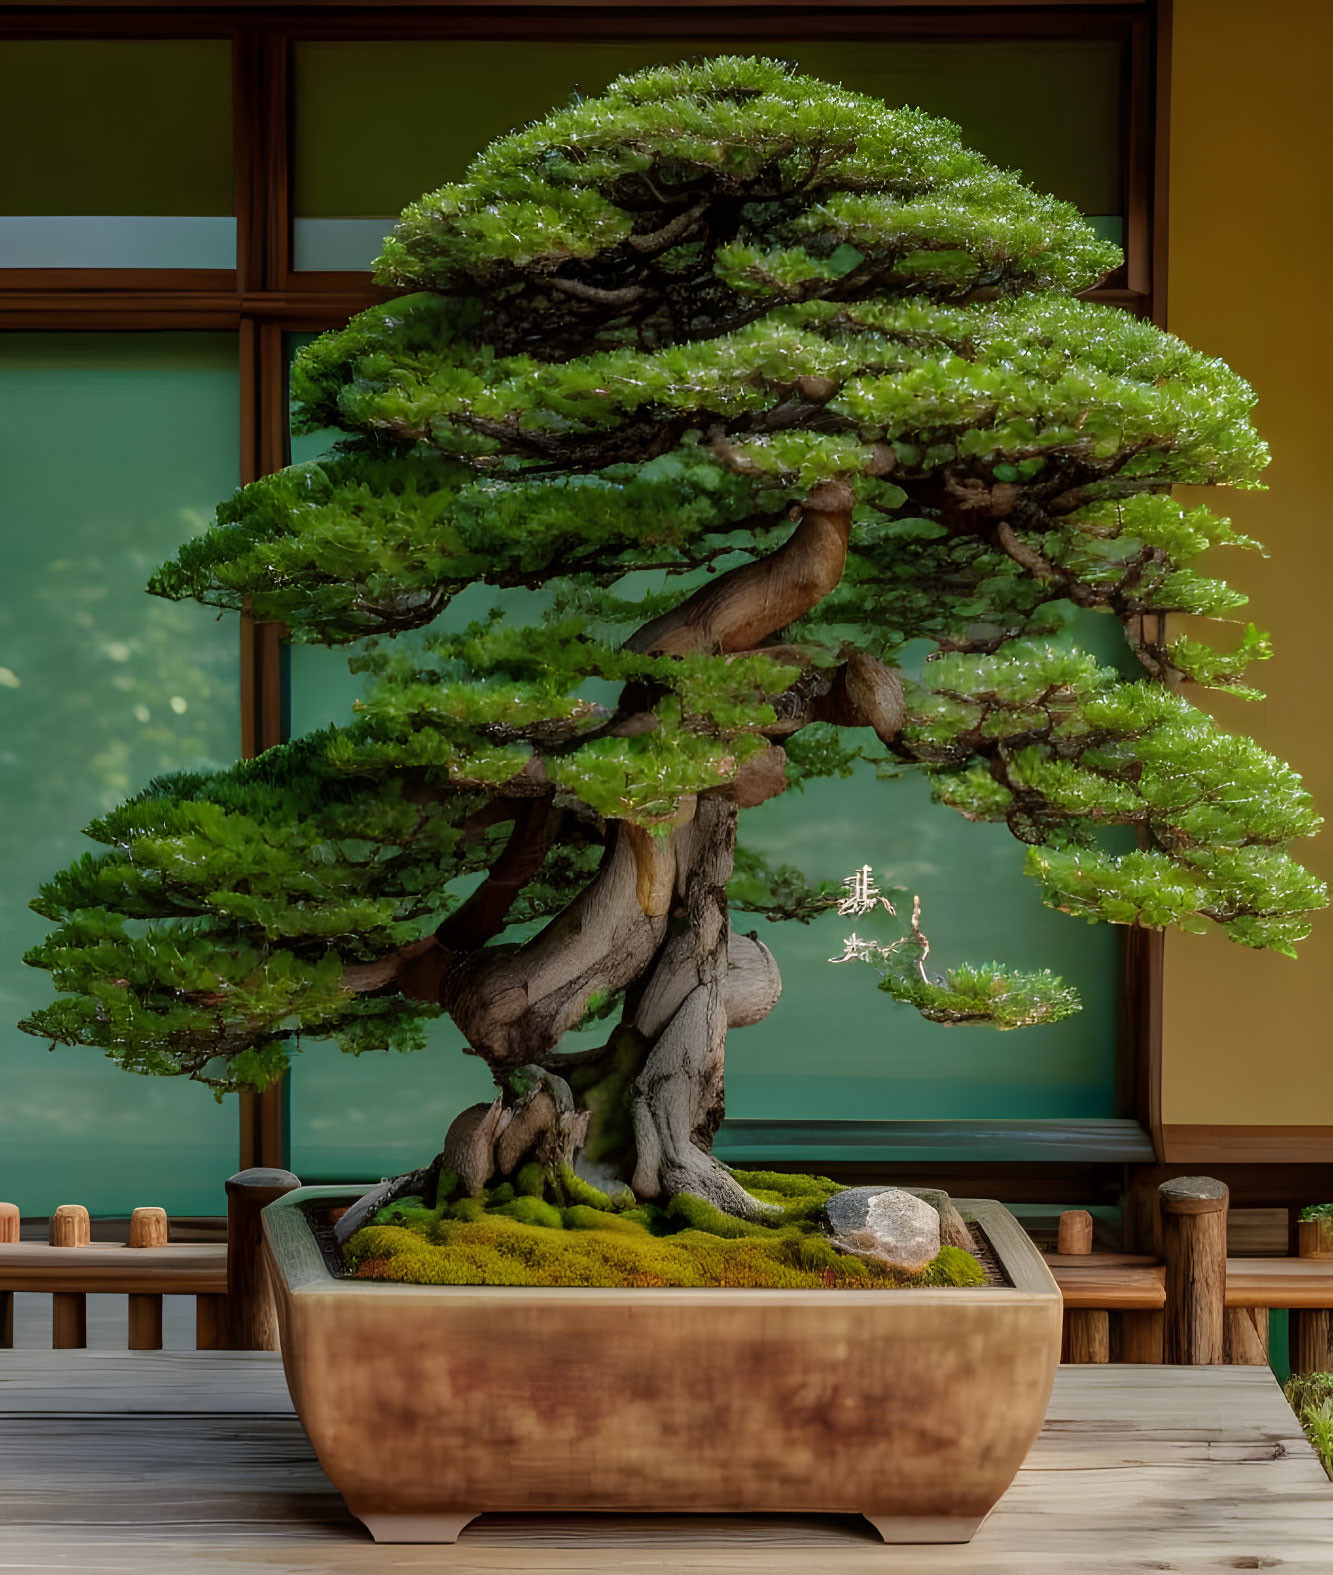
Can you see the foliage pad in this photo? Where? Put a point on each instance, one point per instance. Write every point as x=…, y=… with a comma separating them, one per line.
x=624, y=355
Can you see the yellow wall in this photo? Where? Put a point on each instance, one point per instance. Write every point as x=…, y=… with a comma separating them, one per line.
x=1248, y=1037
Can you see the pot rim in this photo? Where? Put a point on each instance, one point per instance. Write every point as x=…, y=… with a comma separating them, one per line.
x=296, y=1257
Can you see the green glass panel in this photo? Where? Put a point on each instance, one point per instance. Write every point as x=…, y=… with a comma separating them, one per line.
x=834, y=1048
x=112, y=448
x=376, y=124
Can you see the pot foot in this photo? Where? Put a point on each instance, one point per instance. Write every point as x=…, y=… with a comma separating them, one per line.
x=926, y=1528
x=414, y=1528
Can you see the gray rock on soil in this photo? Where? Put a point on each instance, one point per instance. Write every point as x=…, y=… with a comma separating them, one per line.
x=886, y=1224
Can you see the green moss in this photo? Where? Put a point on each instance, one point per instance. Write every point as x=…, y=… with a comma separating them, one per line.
x=693, y=1213
x=504, y=1193
x=784, y=1185
x=604, y=1088
x=530, y=1181
x=577, y=1190
x=581, y=1217
x=531, y=1211
x=528, y=1241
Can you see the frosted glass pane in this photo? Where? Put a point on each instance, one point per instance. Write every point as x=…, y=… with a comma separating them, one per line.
x=108, y=241
x=376, y=124
x=113, y=447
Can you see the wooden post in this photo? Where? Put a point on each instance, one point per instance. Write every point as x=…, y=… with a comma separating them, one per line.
x=1140, y=1336
x=9, y=1233
x=69, y=1227
x=1311, y=1340
x=1194, y=1244
x=1246, y=1339
x=148, y=1228
x=252, y=1323
x=1075, y=1236
x=1087, y=1330
x=210, y=1323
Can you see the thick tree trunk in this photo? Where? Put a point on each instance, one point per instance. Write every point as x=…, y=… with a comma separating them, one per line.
x=655, y=923
x=652, y=923
x=705, y=979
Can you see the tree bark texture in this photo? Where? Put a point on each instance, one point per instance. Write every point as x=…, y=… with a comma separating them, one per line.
x=652, y=923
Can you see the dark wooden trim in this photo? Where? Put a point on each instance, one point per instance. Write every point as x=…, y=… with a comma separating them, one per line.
x=1207, y=1144
x=295, y=309
x=1161, y=174
x=263, y=1118
x=53, y=282
x=1141, y=1064
x=1136, y=196
x=274, y=156
x=41, y=12
x=1113, y=1141
x=247, y=99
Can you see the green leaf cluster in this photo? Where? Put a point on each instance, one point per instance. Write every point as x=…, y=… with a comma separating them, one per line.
x=984, y=994
x=624, y=347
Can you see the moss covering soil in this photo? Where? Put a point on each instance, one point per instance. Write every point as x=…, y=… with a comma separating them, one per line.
x=568, y=1233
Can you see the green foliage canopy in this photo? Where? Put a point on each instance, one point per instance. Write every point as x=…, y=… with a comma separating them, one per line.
x=625, y=347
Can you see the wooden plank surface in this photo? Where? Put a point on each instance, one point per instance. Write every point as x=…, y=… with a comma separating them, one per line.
x=186, y=1269
x=146, y=1463
x=1110, y=1280
x=1276, y=1282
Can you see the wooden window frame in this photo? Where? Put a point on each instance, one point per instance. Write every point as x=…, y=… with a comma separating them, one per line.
x=263, y=299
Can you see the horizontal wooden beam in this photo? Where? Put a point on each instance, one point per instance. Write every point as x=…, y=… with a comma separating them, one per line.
x=1111, y=1281
x=184, y=1270
x=1240, y=1145
x=248, y=7
x=1111, y=1141
x=1280, y=1282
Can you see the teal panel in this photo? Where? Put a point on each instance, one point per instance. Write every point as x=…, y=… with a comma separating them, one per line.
x=370, y=134
x=112, y=448
x=1279, y=1343
x=834, y=1048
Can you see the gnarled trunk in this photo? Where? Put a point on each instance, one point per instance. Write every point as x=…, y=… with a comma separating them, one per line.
x=654, y=923
x=644, y=1110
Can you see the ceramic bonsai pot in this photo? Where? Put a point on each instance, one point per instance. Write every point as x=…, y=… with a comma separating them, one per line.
x=429, y=1405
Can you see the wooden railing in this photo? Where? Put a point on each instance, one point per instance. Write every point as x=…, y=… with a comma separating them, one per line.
x=233, y=1302
x=1194, y=1303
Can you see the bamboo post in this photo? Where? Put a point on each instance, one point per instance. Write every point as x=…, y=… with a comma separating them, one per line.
x=69, y=1227
x=9, y=1233
x=1194, y=1244
x=148, y=1229
x=252, y=1323
x=1087, y=1330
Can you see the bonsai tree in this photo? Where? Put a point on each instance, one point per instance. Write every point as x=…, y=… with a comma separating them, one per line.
x=733, y=384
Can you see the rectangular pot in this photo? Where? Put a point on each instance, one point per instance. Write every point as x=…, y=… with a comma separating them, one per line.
x=428, y=1405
